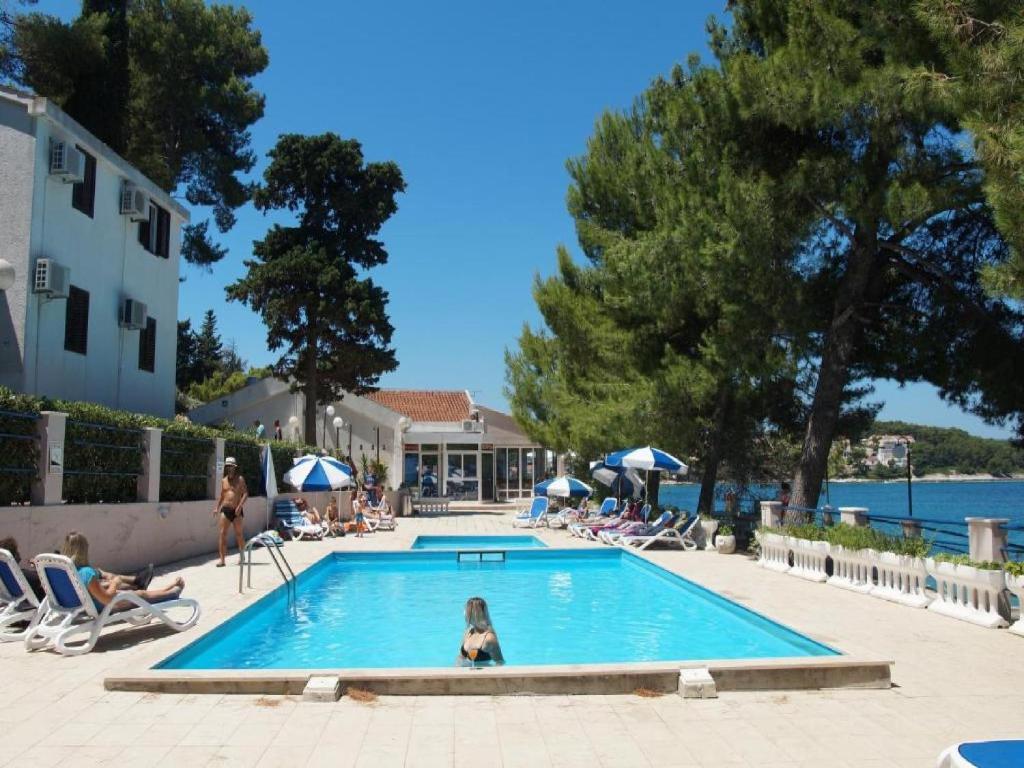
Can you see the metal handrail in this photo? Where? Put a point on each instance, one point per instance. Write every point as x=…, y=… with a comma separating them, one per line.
x=266, y=542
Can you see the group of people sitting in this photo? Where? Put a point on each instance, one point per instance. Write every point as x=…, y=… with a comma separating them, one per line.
x=103, y=586
x=365, y=516
x=630, y=523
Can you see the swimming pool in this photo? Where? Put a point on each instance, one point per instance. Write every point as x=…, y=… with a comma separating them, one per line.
x=549, y=606
x=477, y=542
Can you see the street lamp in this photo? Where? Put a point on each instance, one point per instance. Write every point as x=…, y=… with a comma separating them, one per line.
x=338, y=424
x=328, y=412
x=293, y=422
x=910, y=492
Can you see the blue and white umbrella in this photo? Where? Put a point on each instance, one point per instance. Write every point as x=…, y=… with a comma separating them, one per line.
x=319, y=473
x=563, y=487
x=622, y=481
x=648, y=458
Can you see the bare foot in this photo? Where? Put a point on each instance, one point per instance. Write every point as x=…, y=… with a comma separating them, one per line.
x=220, y=564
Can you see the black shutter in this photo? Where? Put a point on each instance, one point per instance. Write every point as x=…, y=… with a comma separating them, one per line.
x=163, y=233
x=146, y=228
x=76, y=321
x=147, y=346
x=83, y=194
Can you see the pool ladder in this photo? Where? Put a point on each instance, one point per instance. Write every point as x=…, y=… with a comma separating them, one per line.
x=272, y=546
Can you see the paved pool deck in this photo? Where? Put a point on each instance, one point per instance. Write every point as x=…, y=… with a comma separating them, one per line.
x=952, y=681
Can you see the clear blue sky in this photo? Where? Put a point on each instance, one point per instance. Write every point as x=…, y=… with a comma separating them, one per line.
x=480, y=107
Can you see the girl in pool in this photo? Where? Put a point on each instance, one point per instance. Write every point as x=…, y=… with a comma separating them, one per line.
x=480, y=642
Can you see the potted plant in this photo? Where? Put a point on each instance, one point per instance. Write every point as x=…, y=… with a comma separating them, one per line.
x=967, y=590
x=725, y=540
x=1015, y=583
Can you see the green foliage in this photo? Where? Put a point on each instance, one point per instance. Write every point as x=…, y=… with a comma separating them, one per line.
x=166, y=83
x=283, y=453
x=306, y=281
x=378, y=469
x=854, y=537
x=948, y=450
x=1014, y=567
x=208, y=369
x=724, y=530
x=19, y=451
x=221, y=384
x=982, y=565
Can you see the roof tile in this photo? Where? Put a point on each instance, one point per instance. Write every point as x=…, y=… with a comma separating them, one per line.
x=424, y=405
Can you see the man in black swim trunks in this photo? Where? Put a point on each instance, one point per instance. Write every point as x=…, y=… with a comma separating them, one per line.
x=230, y=507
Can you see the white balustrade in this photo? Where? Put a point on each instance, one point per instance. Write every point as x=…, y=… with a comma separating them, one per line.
x=967, y=593
x=851, y=569
x=901, y=579
x=774, y=552
x=809, y=559
x=1016, y=585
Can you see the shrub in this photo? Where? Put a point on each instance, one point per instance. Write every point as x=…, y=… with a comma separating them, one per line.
x=1014, y=567
x=19, y=448
x=102, y=453
x=983, y=565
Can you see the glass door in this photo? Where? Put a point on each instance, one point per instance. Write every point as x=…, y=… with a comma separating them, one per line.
x=462, y=481
x=487, y=477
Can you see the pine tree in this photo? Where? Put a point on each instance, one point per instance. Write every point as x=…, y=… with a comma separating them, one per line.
x=209, y=349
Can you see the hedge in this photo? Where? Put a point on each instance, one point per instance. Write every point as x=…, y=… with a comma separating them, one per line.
x=103, y=454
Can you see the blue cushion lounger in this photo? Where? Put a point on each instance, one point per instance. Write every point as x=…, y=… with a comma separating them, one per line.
x=18, y=603
x=641, y=529
x=537, y=514
x=291, y=520
x=681, y=535
x=984, y=754
x=70, y=610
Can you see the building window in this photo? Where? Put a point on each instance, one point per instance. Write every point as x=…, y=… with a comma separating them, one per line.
x=83, y=194
x=147, y=346
x=76, y=321
x=155, y=232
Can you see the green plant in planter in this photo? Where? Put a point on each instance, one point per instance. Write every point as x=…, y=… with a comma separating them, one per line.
x=982, y=565
x=725, y=530
x=807, y=531
x=914, y=546
x=1014, y=567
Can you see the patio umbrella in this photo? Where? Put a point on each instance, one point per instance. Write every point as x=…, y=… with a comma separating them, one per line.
x=563, y=487
x=319, y=473
x=621, y=481
x=646, y=458
x=269, y=480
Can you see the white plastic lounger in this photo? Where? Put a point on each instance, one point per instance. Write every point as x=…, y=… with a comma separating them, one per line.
x=984, y=754
x=18, y=603
x=642, y=529
x=535, y=517
x=290, y=520
x=69, y=610
x=385, y=519
x=674, y=536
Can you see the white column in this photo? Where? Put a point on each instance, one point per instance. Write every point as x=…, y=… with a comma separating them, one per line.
x=149, y=480
x=215, y=469
x=771, y=514
x=911, y=529
x=987, y=538
x=48, y=487
x=853, y=516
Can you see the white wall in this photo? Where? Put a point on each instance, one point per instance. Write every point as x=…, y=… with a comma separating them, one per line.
x=17, y=160
x=125, y=537
x=105, y=259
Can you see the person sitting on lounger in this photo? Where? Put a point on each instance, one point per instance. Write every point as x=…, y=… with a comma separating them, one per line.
x=480, y=641
x=332, y=518
x=104, y=586
x=308, y=512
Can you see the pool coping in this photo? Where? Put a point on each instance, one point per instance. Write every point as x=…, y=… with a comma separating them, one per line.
x=759, y=674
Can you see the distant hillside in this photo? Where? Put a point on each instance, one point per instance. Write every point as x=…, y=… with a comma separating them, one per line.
x=953, y=451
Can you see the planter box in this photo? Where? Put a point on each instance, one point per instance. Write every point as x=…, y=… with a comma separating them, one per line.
x=774, y=552
x=901, y=579
x=967, y=593
x=1016, y=585
x=809, y=559
x=851, y=569
x=709, y=527
x=725, y=545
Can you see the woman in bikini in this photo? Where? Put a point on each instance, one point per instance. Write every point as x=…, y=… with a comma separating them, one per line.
x=480, y=642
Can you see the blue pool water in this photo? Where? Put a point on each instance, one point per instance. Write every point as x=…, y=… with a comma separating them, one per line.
x=549, y=606
x=477, y=542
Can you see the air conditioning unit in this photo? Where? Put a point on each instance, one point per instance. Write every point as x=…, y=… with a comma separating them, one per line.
x=133, y=315
x=66, y=162
x=51, y=278
x=471, y=426
x=134, y=202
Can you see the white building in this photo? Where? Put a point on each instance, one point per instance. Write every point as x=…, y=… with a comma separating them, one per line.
x=435, y=440
x=91, y=309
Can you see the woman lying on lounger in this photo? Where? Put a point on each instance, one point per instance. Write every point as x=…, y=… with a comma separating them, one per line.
x=104, y=586
x=480, y=642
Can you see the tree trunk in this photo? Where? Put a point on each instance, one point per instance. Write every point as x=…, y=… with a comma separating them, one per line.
x=833, y=375
x=713, y=457
x=312, y=397
x=653, y=486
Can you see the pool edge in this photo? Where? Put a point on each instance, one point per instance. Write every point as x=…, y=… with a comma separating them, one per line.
x=801, y=673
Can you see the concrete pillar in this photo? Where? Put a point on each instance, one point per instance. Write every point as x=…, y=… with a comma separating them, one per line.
x=987, y=539
x=911, y=529
x=771, y=514
x=149, y=480
x=853, y=516
x=48, y=487
x=215, y=469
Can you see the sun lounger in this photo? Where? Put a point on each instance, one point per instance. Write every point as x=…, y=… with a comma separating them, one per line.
x=18, y=603
x=291, y=521
x=638, y=529
x=383, y=515
x=681, y=536
x=69, y=610
x=984, y=754
x=535, y=516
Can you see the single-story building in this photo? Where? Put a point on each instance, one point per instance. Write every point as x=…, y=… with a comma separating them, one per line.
x=437, y=441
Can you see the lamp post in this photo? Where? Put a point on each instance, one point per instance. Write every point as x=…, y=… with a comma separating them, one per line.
x=328, y=412
x=293, y=422
x=338, y=424
x=910, y=492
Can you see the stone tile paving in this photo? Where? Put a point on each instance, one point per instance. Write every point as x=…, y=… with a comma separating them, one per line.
x=953, y=681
